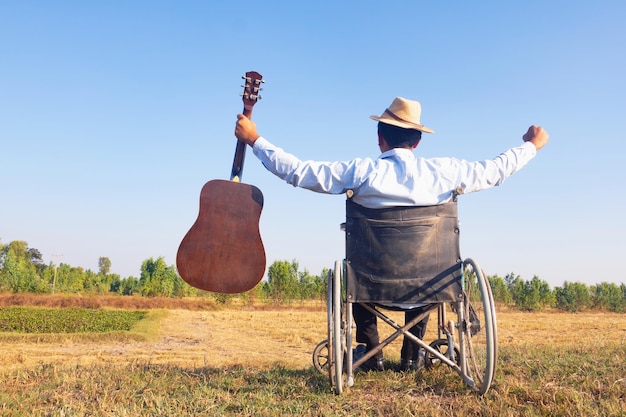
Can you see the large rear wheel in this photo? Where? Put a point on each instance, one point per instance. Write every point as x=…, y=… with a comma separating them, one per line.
x=335, y=342
x=479, y=329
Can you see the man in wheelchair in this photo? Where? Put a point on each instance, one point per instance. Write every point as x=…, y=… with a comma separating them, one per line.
x=397, y=178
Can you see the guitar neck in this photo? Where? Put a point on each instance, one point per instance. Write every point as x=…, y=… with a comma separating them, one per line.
x=250, y=96
x=240, y=155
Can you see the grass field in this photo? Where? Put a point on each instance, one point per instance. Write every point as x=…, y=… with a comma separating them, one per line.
x=193, y=358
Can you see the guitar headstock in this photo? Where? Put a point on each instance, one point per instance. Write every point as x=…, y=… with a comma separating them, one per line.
x=251, y=90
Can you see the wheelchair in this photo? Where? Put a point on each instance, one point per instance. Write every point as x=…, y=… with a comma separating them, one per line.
x=401, y=258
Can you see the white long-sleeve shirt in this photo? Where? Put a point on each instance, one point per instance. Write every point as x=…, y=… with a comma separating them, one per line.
x=397, y=177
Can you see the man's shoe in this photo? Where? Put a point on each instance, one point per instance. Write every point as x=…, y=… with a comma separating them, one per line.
x=373, y=364
x=413, y=364
x=407, y=365
x=358, y=352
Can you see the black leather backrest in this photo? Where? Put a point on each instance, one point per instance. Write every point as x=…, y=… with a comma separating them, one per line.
x=407, y=255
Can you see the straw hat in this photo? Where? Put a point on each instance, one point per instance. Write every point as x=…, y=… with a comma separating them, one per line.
x=403, y=113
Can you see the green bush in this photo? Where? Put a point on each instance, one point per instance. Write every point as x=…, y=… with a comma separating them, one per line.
x=572, y=297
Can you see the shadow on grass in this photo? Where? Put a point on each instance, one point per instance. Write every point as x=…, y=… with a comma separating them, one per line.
x=248, y=379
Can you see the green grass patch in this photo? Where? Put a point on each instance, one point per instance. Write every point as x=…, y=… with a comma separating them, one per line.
x=51, y=325
x=71, y=320
x=145, y=328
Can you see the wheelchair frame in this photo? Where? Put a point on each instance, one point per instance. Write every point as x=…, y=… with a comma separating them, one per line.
x=467, y=345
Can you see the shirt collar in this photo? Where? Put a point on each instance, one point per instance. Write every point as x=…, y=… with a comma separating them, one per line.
x=399, y=152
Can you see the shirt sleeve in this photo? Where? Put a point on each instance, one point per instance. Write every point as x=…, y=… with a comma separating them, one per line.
x=322, y=177
x=480, y=175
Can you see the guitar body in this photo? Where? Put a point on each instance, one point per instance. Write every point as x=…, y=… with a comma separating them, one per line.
x=223, y=251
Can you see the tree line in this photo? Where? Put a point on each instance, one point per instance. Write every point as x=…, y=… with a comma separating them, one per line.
x=536, y=294
x=22, y=270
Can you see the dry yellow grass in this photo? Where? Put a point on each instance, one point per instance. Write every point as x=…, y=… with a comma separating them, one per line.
x=242, y=361
x=188, y=338
x=556, y=328
x=261, y=337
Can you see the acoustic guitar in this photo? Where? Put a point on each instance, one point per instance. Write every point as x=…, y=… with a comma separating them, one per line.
x=223, y=251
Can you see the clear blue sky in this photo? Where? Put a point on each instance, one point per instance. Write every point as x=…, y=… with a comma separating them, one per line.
x=113, y=114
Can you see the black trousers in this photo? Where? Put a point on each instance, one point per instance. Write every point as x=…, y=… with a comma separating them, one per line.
x=367, y=330
x=411, y=350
